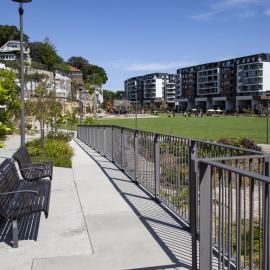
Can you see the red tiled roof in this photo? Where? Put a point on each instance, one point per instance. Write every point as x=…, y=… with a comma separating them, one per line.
x=73, y=69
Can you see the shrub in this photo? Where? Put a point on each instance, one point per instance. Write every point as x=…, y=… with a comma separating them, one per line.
x=91, y=121
x=60, y=136
x=229, y=141
x=245, y=143
x=249, y=144
x=59, y=151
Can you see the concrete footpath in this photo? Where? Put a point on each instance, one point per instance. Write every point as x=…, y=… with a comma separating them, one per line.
x=99, y=219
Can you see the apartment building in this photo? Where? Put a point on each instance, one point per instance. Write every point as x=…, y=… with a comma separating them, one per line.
x=151, y=88
x=230, y=85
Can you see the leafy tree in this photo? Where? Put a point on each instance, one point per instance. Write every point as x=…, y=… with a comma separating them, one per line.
x=90, y=88
x=11, y=64
x=119, y=94
x=92, y=74
x=10, y=32
x=108, y=95
x=36, y=79
x=45, y=53
x=54, y=110
x=8, y=101
x=96, y=75
x=78, y=62
x=72, y=120
x=45, y=108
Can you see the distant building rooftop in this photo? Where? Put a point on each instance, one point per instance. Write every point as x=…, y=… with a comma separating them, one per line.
x=73, y=69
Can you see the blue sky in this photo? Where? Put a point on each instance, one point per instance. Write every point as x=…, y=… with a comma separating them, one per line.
x=130, y=38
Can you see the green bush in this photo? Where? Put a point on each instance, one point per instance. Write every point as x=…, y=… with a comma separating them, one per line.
x=91, y=121
x=60, y=136
x=244, y=143
x=249, y=144
x=59, y=151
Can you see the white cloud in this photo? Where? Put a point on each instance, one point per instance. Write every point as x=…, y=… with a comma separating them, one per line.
x=231, y=4
x=267, y=12
x=155, y=66
x=204, y=16
x=246, y=8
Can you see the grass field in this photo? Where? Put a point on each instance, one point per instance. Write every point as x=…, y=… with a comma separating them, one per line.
x=210, y=128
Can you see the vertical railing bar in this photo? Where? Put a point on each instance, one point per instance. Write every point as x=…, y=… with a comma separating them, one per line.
x=266, y=221
x=205, y=182
x=136, y=155
x=104, y=141
x=245, y=237
x=157, y=166
x=215, y=208
x=229, y=243
x=251, y=222
x=112, y=144
x=122, y=148
x=217, y=172
x=238, y=221
x=193, y=199
x=222, y=223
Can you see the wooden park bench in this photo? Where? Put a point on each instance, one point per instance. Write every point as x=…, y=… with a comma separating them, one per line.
x=32, y=171
x=19, y=198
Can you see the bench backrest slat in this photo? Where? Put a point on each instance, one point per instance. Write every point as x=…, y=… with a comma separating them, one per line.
x=22, y=157
x=9, y=181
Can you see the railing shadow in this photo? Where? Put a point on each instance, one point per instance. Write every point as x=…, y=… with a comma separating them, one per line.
x=28, y=227
x=172, y=235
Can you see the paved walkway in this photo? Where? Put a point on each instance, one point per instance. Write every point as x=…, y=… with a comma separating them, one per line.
x=99, y=219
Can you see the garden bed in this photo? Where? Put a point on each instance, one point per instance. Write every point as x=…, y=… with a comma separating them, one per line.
x=56, y=148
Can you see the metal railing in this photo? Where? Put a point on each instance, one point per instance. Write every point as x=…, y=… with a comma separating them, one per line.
x=219, y=191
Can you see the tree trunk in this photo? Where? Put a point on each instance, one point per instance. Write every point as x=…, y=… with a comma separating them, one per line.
x=42, y=133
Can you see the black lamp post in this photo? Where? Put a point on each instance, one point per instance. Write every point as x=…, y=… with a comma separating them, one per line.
x=267, y=115
x=21, y=11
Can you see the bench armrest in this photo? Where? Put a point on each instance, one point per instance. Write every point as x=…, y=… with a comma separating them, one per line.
x=35, y=164
x=18, y=192
x=31, y=168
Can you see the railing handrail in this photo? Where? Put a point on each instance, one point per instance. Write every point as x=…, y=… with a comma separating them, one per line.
x=236, y=157
x=255, y=176
x=255, y=152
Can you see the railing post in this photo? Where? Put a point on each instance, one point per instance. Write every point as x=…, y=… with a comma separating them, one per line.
x=104, y=140
x=93, y=137
x=98, y=140
x=157, y=166
x=112, y=144
x=205, y=217
x=136, y=156
x=87, y=137
x=193, y=198
x=122, y=148
x=266, y=220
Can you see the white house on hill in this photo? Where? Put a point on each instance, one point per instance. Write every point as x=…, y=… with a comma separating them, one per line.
x=11, y=51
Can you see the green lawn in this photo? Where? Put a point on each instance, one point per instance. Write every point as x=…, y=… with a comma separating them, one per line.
x=210, y=128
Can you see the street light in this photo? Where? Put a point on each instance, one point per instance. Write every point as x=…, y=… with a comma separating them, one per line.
x=267, y=115
x=21, y=11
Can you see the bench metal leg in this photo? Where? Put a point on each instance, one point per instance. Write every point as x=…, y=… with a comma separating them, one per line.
x=15, y=233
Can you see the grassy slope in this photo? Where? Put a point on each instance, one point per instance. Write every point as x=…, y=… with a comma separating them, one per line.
x=211, y=128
